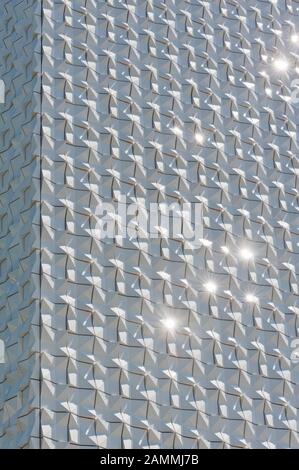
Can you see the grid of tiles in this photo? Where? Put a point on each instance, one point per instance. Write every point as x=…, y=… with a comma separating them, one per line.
x=19, y=152
x=127, y=85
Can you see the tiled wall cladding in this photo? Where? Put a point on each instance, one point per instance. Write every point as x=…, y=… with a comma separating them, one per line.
x=19, y=154
x=126, y=85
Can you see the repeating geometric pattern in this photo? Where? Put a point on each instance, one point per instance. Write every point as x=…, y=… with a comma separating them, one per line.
x=19, y=156
x=170, y=101
x=127, y=85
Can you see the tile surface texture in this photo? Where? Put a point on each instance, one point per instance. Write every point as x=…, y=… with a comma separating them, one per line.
x=125, y=87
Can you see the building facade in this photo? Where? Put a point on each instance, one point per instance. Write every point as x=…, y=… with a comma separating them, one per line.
x=141, y=338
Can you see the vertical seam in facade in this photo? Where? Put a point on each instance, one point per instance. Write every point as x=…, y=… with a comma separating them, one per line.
x=40, y=221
